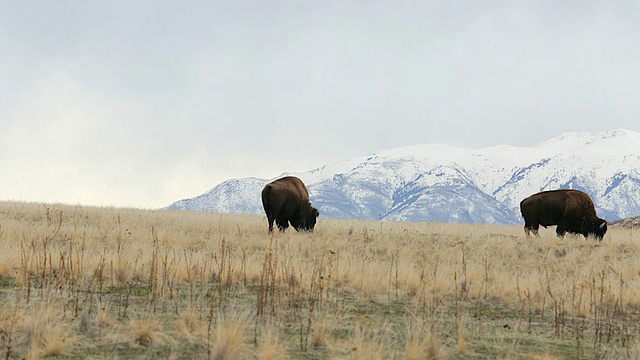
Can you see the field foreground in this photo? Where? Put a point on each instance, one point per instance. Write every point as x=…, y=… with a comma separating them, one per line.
x=84, y=282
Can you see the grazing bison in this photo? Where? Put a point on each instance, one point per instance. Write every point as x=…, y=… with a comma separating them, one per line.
x=286, y=200
x=571, y=210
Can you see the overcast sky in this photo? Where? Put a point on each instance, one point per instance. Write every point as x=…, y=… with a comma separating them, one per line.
x=142, y=103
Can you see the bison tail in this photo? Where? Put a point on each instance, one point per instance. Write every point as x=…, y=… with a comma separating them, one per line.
x=265, y=197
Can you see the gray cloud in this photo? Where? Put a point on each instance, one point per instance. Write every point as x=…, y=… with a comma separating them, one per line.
x=143, y=103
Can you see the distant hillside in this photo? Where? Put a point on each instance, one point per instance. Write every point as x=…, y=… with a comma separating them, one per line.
x=442, y=183
x=633, y=222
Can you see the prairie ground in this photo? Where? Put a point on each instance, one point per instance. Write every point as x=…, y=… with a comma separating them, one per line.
x=87, y=282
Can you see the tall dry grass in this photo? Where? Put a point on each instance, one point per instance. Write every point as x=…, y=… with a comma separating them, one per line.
x=129, y=283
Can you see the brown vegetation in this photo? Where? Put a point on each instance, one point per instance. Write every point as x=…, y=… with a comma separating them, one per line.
x=105, y=282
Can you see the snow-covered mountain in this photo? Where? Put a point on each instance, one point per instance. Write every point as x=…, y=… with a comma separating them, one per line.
x=444, y=183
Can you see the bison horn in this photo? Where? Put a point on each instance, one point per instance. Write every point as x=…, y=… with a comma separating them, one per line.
x=603, y=224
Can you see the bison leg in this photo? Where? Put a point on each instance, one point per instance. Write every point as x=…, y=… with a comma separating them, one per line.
x=283, y=224
x=560, y=231
x=270, y=219
x=530, y=225
x=528, y=229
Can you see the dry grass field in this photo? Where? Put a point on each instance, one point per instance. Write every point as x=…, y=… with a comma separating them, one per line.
x=111, y=283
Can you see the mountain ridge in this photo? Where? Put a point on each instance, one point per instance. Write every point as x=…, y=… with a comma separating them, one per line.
x=444, y=183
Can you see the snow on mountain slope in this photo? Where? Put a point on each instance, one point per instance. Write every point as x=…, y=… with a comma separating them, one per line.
x=232, y=196
x=452, y=184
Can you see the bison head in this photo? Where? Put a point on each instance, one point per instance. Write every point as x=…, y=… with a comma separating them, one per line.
x=599, y=229
x=311, y=218
x=307, y=221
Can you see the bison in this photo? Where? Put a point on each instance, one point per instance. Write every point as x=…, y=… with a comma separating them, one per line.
x=571, y=210
x=286, y=200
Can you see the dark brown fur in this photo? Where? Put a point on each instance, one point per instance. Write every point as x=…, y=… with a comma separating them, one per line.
x=571, y=210
x=286, y=200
